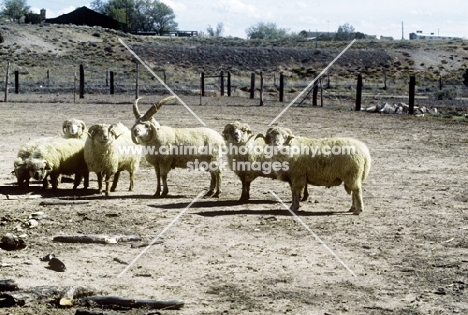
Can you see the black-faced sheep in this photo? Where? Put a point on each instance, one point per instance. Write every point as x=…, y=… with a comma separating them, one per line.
x=163, y=139
x=74, y=128
x=321, y=162
x=55, y=157
x=105, y=154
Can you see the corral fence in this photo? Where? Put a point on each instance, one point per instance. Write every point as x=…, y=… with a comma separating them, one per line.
x=273, y=86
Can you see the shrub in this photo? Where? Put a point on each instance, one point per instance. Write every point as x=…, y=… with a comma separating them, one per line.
x=1, y=38
x=448, y=93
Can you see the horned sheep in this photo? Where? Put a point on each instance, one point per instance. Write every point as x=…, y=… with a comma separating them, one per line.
x=74, y=128
x=163, y=139
x=102, y=153
x=322, y=167
x=56, y=156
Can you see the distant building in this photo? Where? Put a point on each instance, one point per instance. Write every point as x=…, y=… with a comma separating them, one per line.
x=386, y=37
x=419, y=35
x=85, y=16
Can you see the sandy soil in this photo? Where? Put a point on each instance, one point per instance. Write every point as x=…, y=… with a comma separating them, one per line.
x=408, y=249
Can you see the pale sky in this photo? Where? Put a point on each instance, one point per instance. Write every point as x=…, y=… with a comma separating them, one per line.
x=448, y=17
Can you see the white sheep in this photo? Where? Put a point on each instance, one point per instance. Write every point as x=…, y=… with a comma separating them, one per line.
x=247, y=156
x=321, y=162
x=20, y=166
x=104, y=154
x=55, y=157
x=74, y=128
x=164, y=139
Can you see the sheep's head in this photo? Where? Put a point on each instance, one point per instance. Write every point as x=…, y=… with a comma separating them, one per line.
x=278, y=136
x=103, y=133
x=20, y=170
x=73, y=128
x=38, y=168
x=146, y=127
x=237, y=132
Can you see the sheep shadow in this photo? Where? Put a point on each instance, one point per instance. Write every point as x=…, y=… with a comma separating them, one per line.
x=274, y=212
x=210, y=202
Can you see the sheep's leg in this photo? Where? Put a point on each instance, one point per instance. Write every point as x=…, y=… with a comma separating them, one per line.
x=54, y=179
x=158, y=180
x=212, y=185
x=358, y=204
x=77, y=180
x=115, y=181
x=218, y=178
x=164, y=170
x=296, y=196
x=108, y=176
x=132, y=181
x=306, y=194
x=99, y=178
x=86, y=180
x=245, y=191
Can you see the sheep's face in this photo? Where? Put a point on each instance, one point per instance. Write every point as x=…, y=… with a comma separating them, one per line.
x=20, y=171
x=38, y=169
x=144, y=131
x=104, y=134
x=73, y=129
x=277, y=136
x=237, y=133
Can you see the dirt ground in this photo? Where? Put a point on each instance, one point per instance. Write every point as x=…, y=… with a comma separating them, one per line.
x=408, y=249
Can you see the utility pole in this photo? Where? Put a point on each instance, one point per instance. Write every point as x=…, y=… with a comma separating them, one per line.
x=402, y=32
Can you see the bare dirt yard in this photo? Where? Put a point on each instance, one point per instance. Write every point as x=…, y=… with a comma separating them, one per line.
x=408, y=249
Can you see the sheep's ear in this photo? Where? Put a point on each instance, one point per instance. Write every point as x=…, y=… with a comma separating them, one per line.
x=247, y=129
x=136, y=111
x=64, y=125
x=47, y=167
x=288, y=139
x=226, y=131
x=113, y=131
x=288, y=132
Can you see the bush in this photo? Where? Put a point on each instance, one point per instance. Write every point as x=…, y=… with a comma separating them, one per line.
x=449, y=93
x=1, y=38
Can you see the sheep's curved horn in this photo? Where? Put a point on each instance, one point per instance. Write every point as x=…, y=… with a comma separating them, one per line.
x=154, y=109
x=136, y=112
x=92, y=130
x=83, y=125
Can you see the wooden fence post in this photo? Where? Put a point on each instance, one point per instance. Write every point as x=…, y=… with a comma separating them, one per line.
x=6, y=80
x=228, y=83
x=111, y=78
x=16, y=81
x=202, y=84
x=74, y=87
x=412, y=85
x=440, y=83
x=221, y=82
x=314, y=94
x=252, y=85
x=281, y=87
x=321, y=93
x=107, y=77
x=261, y=88
x=359, y=92
x=81, y=81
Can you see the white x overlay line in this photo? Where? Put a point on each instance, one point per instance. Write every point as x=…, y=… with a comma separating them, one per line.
x=162, y=82
x=313, y=234
x=310, y=84
x=162, y=232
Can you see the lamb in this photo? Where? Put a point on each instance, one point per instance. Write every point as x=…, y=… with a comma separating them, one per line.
x=102, y=153
x=74, y=128
x=55, y=157
x=321, y=166
x=248, y=157
x=148, y=132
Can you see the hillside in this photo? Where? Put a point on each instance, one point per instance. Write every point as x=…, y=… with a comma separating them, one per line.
x=34, y=49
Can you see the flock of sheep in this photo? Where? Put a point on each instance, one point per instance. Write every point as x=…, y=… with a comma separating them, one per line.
x=82, y=150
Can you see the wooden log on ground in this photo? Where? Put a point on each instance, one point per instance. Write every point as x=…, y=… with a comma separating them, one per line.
x=63, y=202
x=101, y=239
x=115, y=301
x=85, y=312
x=8, y=285
x=42, y=293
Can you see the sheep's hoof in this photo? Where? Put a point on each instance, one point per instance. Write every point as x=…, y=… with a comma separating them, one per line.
x=216, y=195
x=357, y=211
x=294, y=208
x=244, y=198
x=208, y=194
x=112, y=189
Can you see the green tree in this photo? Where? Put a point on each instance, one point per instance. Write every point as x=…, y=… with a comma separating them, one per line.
x=266, y=31
x=154, y=16
x=215, y=32
x=345, y=32
x=15, y=9
x=123, y=11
